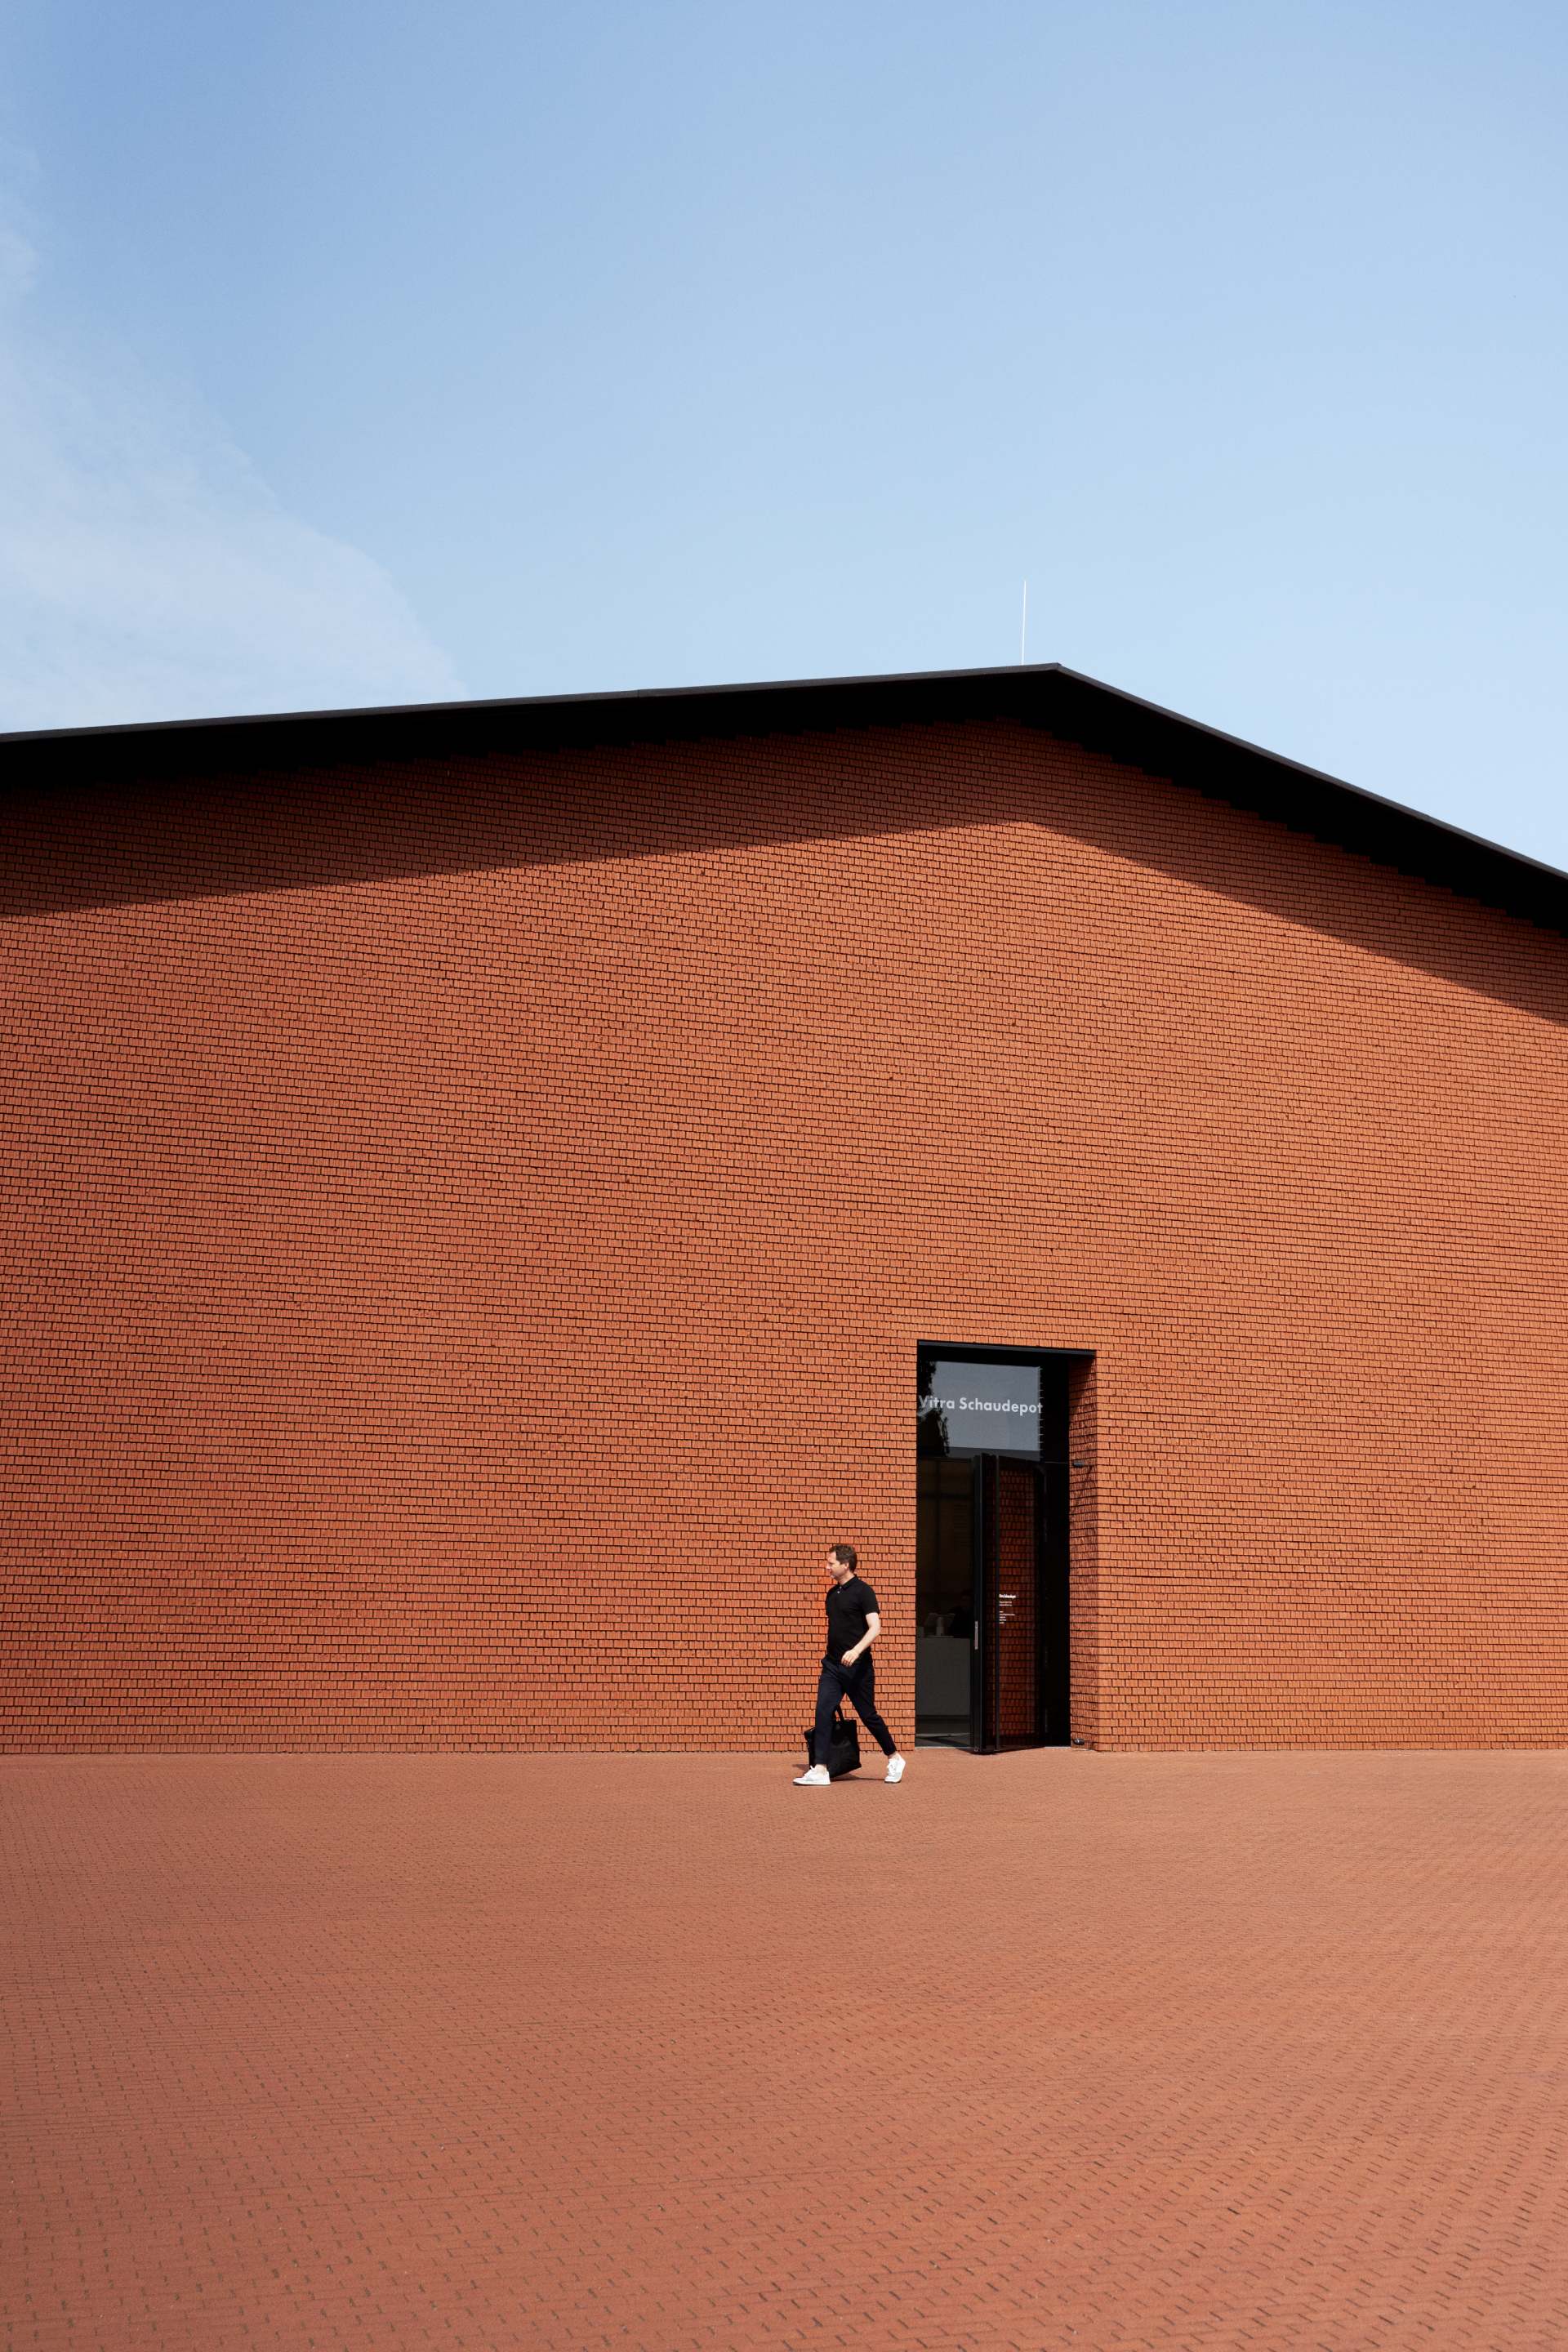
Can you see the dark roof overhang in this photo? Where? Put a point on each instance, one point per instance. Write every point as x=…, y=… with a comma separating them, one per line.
x=1059, y=701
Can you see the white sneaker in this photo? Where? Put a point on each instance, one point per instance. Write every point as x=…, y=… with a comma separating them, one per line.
x=895, y=1768
x=815, y=1777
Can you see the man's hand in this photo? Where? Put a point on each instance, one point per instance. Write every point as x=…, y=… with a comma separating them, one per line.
x=850, y=1657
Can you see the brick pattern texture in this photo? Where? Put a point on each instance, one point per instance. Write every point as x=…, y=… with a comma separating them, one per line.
x=1042, y=2052
x=470, y=1225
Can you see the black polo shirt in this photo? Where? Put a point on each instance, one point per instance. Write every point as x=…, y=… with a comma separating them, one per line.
x=848, y=1606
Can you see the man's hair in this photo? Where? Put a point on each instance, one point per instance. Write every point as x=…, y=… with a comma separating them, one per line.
x=844, y=1554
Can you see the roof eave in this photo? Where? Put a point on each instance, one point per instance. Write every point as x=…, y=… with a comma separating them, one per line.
x=1062, y=701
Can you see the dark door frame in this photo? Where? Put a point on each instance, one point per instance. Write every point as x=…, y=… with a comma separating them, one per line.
x=983, y=1740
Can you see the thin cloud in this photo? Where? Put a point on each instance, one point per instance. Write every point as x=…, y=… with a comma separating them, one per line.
x=147, y=571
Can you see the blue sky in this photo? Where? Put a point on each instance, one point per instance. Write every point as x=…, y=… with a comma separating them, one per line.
x=361, y=353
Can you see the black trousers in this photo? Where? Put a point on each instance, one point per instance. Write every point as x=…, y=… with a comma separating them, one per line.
x=857, y=1684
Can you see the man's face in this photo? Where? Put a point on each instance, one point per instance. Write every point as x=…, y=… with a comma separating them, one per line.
x=835, y=1569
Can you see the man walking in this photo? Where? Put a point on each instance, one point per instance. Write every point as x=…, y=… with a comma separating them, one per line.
x=853, y=1624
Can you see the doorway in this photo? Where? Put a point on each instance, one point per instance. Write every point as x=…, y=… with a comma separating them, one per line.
x=992, y=1552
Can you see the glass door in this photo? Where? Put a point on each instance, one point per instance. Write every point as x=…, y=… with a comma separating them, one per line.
x=1025, y=1629
x=947, y=1639
x=991, y=1642
x=1011, y=1516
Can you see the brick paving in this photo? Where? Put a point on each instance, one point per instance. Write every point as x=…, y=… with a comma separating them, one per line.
x=1049, y=2050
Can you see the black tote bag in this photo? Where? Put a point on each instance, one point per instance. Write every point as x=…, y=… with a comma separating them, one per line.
x=843, y=1748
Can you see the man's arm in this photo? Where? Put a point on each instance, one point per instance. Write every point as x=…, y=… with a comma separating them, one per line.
x=873, y=1627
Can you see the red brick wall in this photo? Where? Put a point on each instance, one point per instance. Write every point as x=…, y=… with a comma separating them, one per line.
x=469, y=1228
